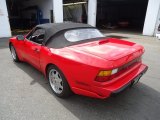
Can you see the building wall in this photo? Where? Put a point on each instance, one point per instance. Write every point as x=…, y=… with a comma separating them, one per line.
x=151, y=17
x=150, y=25
x=157, y=24
x=58, y=11
x=4, y=22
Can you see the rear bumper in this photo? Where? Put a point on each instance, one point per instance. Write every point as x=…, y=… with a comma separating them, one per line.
x=118, y=84
x=121, y=83
x=132, y=81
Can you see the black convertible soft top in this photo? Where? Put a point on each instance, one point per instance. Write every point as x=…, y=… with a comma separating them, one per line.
x=54, y=34
x=52, y=29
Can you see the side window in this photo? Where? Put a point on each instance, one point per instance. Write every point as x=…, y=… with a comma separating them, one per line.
x=37, y=36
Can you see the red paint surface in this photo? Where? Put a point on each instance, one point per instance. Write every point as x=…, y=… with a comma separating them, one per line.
x=81, y=63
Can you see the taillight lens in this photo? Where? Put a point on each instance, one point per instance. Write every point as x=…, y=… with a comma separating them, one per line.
x=102, y=79
x=104, y=75
x=107, y=75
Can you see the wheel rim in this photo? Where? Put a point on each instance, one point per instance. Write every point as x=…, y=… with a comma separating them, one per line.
x=13, y=52
x=55, y=80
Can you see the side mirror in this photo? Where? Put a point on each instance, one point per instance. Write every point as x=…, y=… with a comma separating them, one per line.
x=20, y=37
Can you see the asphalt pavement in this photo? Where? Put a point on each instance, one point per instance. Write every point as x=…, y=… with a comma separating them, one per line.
x=26, y=95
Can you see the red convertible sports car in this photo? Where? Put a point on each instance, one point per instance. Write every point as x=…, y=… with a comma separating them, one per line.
x=77, y=58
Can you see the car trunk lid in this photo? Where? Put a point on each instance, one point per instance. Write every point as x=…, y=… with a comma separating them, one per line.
x=118, y=52
x=111, y=48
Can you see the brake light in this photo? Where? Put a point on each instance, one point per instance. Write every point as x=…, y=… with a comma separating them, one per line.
x=101, y=79
x=104, y=75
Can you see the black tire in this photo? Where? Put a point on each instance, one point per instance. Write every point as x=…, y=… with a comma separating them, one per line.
x=66, y=91
x=14, y=53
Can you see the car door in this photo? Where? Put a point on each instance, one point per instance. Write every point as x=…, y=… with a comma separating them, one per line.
x=33, y=45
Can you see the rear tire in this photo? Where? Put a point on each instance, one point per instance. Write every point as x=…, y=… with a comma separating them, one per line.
x=14, y=54
x=58, y=82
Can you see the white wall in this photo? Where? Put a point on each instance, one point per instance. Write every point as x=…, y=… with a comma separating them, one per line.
x=151, y=17
x=157, y=23
x=92, y=12
x=58, y=11
x=44, y=5
x=4, y=22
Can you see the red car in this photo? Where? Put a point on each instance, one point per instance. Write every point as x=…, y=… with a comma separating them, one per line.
x=77, y=58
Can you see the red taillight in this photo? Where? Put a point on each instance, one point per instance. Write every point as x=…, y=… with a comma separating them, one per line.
x=107, y=75
x=102, y=78
x=104, y=75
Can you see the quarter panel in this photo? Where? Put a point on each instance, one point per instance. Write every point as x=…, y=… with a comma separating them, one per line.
x=78, y=74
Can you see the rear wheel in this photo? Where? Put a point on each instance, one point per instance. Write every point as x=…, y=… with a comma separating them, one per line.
x=58, y=82
x=14, y=54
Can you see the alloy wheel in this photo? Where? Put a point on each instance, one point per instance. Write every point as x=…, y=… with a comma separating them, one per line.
x=55, y=80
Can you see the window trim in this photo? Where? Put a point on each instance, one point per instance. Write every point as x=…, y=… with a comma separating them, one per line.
x=31, y=33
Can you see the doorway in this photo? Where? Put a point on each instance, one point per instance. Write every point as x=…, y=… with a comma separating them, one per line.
x=125, y=15
x=75, y=11
x=25, y=14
